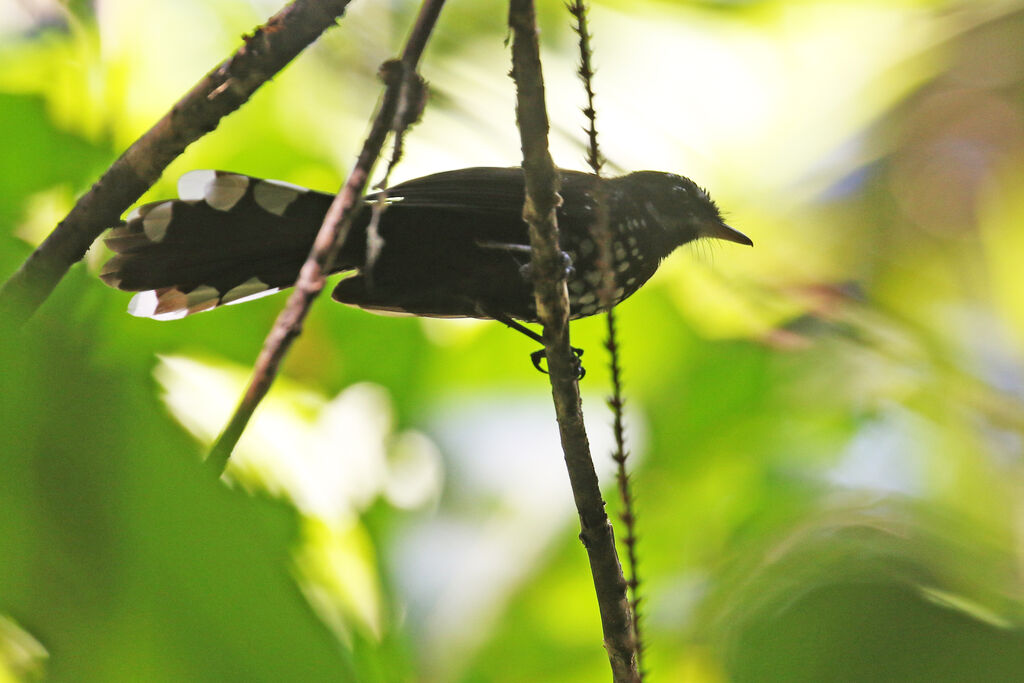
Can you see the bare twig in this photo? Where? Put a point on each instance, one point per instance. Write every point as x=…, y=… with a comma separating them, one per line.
x=402, y=86
x=553, y=309
x=616, y=402
x=265, y=52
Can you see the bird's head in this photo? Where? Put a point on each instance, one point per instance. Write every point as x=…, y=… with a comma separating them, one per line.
x=682, y=208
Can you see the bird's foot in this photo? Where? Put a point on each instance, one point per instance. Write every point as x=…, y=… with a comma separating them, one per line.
x=577, y=354
x=526, y=270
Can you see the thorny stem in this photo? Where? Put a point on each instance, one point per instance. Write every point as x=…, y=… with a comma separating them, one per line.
x=553, y=310
x=616, y=402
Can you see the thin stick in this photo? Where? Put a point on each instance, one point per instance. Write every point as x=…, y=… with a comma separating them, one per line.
x=402, y=85
x=224, y=89
x=616, y=402
x=628, y=515
x=553, y=309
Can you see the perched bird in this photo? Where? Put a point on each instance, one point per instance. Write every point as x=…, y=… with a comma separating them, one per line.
x=453, y=244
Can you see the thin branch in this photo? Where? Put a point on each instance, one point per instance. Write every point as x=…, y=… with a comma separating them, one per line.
x=553, y=310
x=628, y=515
x=586, y=73
x=224, y=89
x=397, y=110
x=616, y=402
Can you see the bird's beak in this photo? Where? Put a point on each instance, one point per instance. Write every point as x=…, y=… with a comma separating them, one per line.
x=721, y=231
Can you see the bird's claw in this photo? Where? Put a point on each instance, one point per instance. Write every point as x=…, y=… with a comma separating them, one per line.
x=577, y=353
x=526, y=270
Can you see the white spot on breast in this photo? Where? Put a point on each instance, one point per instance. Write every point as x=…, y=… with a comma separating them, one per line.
x=623, y=267
x=225, y=190
x=156, y=220
x=590, y=309
x=587, y=298
x=192, y=186
x=587, y=247
x=577, y=286
x=630, y=282
x=253, y=288
x=275, y=196
x=594, y=277
x=619, y=293
x=631, y=241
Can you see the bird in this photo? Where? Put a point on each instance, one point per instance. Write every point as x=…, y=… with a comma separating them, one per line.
x=449, y=245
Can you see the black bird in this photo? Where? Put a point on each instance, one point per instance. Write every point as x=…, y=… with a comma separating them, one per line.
x=454, y=244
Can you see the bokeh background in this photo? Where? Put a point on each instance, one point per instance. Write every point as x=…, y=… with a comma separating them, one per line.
x=827, y=430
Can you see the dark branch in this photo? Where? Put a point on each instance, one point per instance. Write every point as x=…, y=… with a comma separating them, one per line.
x=553, y=309
x=402, y=86
x=220, y=92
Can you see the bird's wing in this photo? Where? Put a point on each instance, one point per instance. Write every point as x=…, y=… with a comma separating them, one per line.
x=481, y=189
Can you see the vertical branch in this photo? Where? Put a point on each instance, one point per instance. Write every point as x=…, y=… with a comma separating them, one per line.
x=225, y=88
x=586, y=73
x=398, y=109
x=628, y=515
x=553, y=310
x=616, y=402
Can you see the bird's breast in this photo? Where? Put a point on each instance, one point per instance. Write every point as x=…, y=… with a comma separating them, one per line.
x=604, y=275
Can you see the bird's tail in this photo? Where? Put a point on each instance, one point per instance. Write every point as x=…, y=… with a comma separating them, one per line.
x=228, y=238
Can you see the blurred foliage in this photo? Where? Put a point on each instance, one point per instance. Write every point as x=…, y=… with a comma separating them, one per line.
x=828, y=428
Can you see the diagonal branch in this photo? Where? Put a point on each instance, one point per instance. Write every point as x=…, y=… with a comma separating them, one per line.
x=553, y=310
x=398, y=109
x=224, y=89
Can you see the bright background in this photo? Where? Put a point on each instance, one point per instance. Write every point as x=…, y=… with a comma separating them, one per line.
x=827, y=429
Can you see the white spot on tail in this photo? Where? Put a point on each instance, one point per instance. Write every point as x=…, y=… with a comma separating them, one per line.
x=253, y=288
x=202, y=298
x=156, y=220
x=146, y=304
x=224, y=191
x=143, y=304
x=171, y=303
x=192, y=186
x=276, y=196
x=253, y=297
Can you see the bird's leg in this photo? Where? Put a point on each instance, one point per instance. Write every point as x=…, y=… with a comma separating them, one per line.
x=536, y=356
